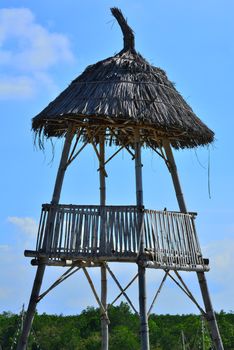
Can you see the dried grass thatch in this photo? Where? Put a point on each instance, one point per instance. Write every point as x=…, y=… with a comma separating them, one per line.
x=125, y=92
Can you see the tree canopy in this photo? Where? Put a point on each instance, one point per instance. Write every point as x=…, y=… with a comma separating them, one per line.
x=82, y=332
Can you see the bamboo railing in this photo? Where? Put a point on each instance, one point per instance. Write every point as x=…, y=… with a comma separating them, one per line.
x=114, y=233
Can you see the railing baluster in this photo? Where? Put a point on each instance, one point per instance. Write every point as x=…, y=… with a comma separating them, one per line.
x=128, y=232
x=125, y=238
x=185, y=239
x=111, y=230
x=179, y=240
x=192, y=241
x=80, y=233
x=166, y=239
x=163, y=250
x=120, y=232
x=136, y=231
x=41, y=229
x=171, y=245
x=74, y=239
x=89, y=240
x=157, y=246
x=132, y=232
x=69, y=230
x=145, y=230
x=54, y=236
x=72, y=234
x=60, y=233
x=196, y=242
x=92, y=231
x=65, y=231
x=175, y=239
x=86, y=232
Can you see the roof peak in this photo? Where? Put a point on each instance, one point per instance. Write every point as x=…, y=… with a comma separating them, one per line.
x=128, y=34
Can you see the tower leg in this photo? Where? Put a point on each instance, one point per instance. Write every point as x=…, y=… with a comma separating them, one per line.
x=42, y=263
x=104, y=324
x=22, y=344
x=210, y=315
x=144, y=329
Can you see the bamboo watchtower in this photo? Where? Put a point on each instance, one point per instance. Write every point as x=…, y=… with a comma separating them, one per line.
x=122, y=100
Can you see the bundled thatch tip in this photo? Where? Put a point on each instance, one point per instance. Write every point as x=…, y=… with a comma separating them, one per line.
x=129, y=39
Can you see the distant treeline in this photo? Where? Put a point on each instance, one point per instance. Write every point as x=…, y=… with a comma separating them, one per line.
x=82, y=332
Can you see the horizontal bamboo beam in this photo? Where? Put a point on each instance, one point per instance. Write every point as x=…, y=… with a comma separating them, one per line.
x=153, y=265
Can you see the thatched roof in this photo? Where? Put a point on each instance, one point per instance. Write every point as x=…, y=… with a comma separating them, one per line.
x=125, y=91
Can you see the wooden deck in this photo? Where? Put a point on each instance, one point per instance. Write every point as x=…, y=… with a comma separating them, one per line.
x=113, y=233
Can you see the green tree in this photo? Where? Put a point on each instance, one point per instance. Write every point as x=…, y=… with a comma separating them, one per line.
x=123, y=338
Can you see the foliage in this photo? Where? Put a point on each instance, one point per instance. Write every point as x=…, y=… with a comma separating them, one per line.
x=82, y=332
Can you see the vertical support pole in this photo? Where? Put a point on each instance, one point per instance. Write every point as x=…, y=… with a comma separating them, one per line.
x=210, y=315
x=144, y=328
x=102, y=177
x=104, y=323
x=203, y=333
x=174, y=176
x=22, y=344
x=62, y=166
x=183, y=340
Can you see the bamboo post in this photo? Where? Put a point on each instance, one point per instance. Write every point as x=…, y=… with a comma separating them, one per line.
x=174, y=176
x=210, y=315
x=144, y=329
x=22, y=344
x=62, y=166
x=203, y=333
x=104, y=323
x=102, y=169
x=183, y=340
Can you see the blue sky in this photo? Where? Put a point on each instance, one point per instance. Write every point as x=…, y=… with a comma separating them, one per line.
x=43, y=46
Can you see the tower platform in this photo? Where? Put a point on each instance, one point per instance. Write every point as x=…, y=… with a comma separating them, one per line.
x=70, y=234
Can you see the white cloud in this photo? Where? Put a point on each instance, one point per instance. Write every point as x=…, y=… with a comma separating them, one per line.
x=16, y=278
x=26, y=225
x=221, y=253
x=221, y=275
x=17, y=86
x=27, y=51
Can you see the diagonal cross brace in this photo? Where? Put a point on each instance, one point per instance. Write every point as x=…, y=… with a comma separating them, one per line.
x=123, y=289
x=96, y=295
x=78, y=135
x=125, y=146
x=157, y=293
x=112, y=156
x=62, y=278
x=185, y=289
x=73, y=155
